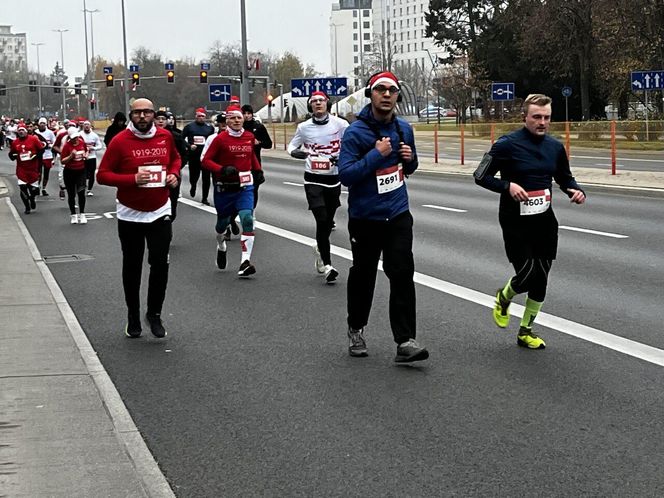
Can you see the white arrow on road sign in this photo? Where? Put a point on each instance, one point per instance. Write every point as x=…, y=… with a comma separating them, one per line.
x=329, y=86
x=341, y=90
x=500, y=91
x=306, y=88
x=637, y=83
x=317, y=85
x=656, y=80
x=296, y=90
x=647, y=78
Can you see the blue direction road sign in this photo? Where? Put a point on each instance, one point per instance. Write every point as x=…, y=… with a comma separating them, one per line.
x=169, y=66
x=205, y=66
x=647, y=80
x=219, y=93
x=108, y=69
x=502, y=91
x=133, y=68
x=567, y=91
x=334, y=87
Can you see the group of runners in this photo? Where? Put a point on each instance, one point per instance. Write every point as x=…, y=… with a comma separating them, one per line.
x=373, y=157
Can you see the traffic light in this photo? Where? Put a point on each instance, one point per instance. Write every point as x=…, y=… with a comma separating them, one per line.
x=202, y=77
x=3, y=90
x=136, y=79
x=77, y=89
x=56, y=86
x=170, y=76
x=109, y=80
x=32, y=85
x=270, y=98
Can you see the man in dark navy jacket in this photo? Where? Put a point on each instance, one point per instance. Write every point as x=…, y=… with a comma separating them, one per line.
x=528, y=160
x=377, y=153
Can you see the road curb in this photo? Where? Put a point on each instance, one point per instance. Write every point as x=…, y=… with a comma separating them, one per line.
x=152, y=479
x=4, y=189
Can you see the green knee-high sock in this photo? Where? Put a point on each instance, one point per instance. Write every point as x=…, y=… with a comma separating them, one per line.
x=529, y=314
x=507, y=292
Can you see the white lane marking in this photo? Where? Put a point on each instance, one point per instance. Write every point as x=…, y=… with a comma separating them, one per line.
x=442, y=208
x=294, y=184
x=622, y=159
x=146, y=467
x=595, y=232
x=578, y=330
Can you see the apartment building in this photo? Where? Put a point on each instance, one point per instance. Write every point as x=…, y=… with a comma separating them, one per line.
x=13, y=49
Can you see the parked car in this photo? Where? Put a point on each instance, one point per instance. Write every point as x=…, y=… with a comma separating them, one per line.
x=450, y=113
x=432, y=112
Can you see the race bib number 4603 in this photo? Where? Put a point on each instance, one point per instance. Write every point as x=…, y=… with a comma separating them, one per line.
x=157, y=175
x=389, y=179
x=538, y=202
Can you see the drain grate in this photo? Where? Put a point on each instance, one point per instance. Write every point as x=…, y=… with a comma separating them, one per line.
x=67, y=258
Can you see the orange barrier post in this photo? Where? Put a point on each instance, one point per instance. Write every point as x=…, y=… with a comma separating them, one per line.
x=567, y=138
x=435, y=144
x=285, y=141
x=613, y=147
x=462, y=144
x=493, y=132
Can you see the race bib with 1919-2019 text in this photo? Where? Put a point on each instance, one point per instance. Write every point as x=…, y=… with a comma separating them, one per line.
x=538, y=202
x=389, y=179
x=157, y=175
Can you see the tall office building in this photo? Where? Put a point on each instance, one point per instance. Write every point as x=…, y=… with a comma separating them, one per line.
x=13, y=49
x=351, y=39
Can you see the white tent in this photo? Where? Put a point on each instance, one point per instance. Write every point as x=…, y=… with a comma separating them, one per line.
x=352, y=104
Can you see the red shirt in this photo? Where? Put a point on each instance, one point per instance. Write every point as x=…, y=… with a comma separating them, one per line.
x=78, y=161
x=226, y=150
x=27, y=170
x=125, y=154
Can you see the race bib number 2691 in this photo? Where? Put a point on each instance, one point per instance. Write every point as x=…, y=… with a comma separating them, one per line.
x=389, y=179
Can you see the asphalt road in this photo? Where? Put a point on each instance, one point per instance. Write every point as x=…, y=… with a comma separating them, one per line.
x=253, y=393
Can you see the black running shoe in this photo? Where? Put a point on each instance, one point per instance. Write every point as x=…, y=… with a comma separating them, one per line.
x=205, y=202
x=44, y=193
x=331, y=274
x=221, y=258
x=192, y=192
x=410, y=351
x=133, y=328
x=27, y=210
x=156, y=327
x=246, y=269
x=235, y=227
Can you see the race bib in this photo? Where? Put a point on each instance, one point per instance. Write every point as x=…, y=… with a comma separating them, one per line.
x=538, y=202
x=79, y=154
x=320, y=164
x=199, y=140
x=389, y=179
x=157, y=175
x=246, y=178
x=25, y=156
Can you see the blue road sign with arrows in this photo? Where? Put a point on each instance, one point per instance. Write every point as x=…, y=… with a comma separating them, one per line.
x=219, y=93
x=334, y=87
x=647, y=80
x=169, y=66
x=502, y=91
x=205, y=66
x=108, y=69
x=133, y=68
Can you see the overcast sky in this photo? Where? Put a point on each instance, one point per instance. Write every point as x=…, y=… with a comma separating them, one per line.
x=173, y=29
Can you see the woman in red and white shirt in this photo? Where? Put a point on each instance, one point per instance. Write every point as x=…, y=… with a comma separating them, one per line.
x=73, y=155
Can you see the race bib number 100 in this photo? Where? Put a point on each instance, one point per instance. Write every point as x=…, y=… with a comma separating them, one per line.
x=538, y=202
x=157, y=175
x=389, y=179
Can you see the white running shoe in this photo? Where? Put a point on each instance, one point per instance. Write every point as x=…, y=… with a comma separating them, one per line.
x=73, y=219
x=331, y=274
x=82, y=219
x=90, y=194
x=318, y=262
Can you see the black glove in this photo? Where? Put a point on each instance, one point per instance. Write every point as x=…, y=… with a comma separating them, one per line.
x=227, y=172
x=299, y=154
x=12, y=156
x=259, y=176
x=229, y=180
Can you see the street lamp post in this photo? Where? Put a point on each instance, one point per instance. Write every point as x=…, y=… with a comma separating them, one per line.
x=92, y=53
x=126, y=63
x=39, y=77
x=62, y=67
x=244, y=89
x=336, y=50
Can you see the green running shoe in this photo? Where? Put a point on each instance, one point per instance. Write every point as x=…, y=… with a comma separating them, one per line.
x=501, y=311
x=528, y=339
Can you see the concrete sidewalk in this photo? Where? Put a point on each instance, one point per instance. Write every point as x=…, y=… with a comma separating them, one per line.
x=642, y=180
x=64, y=430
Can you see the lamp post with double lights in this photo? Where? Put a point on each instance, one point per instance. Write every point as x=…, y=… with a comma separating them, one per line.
x=62, y=67
x=90, y=73
x=39, y=82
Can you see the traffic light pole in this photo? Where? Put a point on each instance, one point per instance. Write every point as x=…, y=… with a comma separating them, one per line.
x=126, y=63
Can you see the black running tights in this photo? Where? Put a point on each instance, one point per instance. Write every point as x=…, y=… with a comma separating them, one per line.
x=75, y=184
x=531, y=276
x=324, y=216
x=28, y=193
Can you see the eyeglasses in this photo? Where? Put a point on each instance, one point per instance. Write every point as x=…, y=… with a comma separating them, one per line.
x=382, y=89
x=317, y=101
x=138, y=112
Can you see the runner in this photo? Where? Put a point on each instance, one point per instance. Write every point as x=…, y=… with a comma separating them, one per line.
x=48, y=137
x=143, y=163
x=26, y=150
x=163, y=120
x=377, y=151
x=93, y=143
x=262, y=140
x=73, y=155
x=317, y=140
x=11, y=132
x=195, y=134
x=528, y=159
x=232, y=161
x=119, y=123
x=60, y=139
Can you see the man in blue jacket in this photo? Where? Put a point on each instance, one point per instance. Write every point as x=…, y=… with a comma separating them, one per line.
x=377, y=153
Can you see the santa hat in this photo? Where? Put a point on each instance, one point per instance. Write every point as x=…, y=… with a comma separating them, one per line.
x=234, y=99
x=385, y=78
x=21, y=125
x=318, y=94
x=233, y=110
x=42, y=120
x=73, y=133
x=200, y=112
